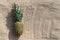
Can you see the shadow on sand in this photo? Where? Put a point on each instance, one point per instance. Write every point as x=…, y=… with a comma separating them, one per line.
x=10, y=26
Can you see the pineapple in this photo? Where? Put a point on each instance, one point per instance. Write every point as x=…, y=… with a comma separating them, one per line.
x=17, y=15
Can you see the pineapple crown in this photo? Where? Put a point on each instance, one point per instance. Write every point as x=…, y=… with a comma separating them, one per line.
x=17, y=14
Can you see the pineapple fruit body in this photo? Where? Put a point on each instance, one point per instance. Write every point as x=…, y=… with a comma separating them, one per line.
x=19, y=28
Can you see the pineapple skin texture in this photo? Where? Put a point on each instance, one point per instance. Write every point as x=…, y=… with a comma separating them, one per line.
x=19, y=28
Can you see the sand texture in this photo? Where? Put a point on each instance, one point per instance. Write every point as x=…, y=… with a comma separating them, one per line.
x=41, y=19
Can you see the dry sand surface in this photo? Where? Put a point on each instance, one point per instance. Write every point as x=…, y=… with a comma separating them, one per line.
x=41, y=19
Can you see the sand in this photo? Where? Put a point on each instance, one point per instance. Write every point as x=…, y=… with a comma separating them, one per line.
x=41, y=19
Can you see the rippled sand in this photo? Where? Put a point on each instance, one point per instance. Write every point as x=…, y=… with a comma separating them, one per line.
x=41, y=19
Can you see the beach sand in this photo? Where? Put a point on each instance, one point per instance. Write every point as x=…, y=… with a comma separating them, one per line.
x=41, y=19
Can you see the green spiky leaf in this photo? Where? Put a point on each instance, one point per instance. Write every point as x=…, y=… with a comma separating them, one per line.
x=17, y=14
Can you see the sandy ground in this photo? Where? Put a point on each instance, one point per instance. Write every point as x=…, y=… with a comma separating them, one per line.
x=41, y=19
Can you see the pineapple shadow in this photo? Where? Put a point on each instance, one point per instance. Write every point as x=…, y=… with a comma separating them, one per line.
x=10, y=26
